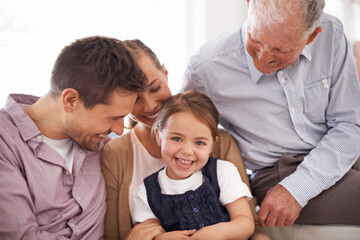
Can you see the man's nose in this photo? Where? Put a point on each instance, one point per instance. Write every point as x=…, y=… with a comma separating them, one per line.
x=265, y=56
x=118, y=126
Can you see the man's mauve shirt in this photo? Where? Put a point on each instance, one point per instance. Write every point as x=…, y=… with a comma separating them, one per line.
x=39, y=198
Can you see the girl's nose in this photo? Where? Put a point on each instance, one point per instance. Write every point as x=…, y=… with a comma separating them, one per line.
x=187, y=149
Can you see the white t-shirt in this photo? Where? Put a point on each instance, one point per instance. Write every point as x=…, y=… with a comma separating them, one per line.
x=231, y=188
x=144, y=165
x=64, y=147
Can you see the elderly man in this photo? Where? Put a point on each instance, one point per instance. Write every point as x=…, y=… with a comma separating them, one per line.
x=286, y=88
x=51, y=182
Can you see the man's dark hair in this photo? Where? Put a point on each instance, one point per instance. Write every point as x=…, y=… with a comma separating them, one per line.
x=95, y=67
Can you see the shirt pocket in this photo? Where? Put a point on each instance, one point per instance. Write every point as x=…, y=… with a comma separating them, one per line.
x=317, y=99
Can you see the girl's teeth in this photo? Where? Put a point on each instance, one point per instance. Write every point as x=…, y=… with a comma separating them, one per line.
x=184, y=164
x=184, y=161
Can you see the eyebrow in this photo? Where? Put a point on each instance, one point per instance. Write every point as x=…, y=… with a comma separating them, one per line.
x=176, y=133
x=198, y=138
x=275, y=48
x=252, y=38
x=117, y=117
x=203, y=138
x=156, y=79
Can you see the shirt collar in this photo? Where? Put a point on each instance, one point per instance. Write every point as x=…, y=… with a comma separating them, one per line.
x=24, y=123
x=254, y=72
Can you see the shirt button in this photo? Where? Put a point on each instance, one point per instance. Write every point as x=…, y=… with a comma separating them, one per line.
x=72, y=225
x=325, y=82
x=282, y=80
x=78, y=198
x=201, y=225
x=281, y=72
x=293, y=109
x=191, y=196
x=195, y=210
x=39, y=137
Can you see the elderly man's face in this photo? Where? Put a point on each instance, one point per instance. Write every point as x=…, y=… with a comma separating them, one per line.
x=276, y=48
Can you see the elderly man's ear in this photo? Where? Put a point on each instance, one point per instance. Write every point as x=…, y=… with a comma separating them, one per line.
x=314, y=34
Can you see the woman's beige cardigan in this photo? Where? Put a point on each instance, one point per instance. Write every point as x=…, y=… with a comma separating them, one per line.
x=117, y=167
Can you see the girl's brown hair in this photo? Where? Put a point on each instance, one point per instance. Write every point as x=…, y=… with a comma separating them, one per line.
x=191, y=101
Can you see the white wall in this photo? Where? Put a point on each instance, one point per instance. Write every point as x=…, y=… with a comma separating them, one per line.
x=225, y=15
x=32, y=32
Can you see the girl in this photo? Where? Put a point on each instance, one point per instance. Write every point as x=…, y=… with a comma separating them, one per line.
x=193, y=192
x=128, y=159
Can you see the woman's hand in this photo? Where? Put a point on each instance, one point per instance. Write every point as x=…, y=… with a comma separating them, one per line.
x=147, y=230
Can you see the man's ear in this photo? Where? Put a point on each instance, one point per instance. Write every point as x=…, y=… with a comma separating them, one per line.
x=69, y=99
x=314, y=34
x=157, y=136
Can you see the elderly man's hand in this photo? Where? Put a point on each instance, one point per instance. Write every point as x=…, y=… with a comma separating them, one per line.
x=279, y=208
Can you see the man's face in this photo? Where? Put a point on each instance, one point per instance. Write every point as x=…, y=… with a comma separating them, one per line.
x=276, y=48
x=88, y=127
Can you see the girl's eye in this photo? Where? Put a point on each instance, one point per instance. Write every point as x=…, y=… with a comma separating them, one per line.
x=200, y=143
x=176, y=139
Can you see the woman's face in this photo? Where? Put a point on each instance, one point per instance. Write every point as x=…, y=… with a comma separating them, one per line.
x=149, y=103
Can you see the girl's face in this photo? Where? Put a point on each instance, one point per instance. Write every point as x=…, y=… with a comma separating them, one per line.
x=150, y=102
x=185, y=147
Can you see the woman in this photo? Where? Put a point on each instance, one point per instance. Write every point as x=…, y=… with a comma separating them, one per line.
x=128, y=159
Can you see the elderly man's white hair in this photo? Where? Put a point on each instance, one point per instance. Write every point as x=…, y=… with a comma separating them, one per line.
x=272, y=12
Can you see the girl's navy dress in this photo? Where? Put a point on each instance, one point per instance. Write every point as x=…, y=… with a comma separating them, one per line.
x=192, y=209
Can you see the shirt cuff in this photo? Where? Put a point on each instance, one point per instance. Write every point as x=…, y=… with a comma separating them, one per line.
x=301, y=186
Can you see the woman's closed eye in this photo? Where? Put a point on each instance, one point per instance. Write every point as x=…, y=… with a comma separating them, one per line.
x=155, y=89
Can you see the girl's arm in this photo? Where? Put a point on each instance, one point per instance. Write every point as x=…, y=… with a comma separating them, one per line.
x=227, y=149
x=176, y=235
x=240, y=226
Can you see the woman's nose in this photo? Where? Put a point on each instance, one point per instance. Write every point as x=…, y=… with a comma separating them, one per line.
x=149, y=103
